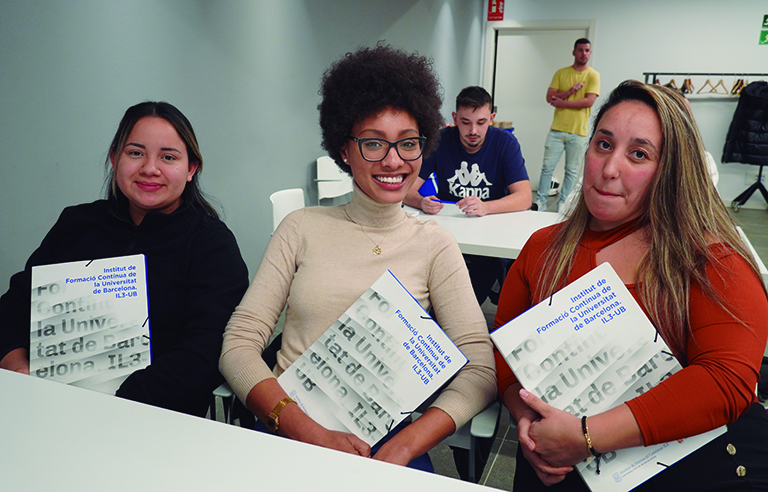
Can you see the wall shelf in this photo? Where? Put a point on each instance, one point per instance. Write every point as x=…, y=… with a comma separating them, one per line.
x=700, y=80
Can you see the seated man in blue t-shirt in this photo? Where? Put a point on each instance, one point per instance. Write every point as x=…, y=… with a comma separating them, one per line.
x=476, y=165
x=482, y=169
x=479, y=167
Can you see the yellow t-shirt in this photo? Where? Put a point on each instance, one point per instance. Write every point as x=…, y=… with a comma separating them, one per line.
x=574, y=120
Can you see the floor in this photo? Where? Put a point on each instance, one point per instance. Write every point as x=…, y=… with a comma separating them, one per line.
x=500, y=469
x=754, y=224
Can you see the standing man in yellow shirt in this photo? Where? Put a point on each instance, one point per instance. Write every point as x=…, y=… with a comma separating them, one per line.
x=572, y=92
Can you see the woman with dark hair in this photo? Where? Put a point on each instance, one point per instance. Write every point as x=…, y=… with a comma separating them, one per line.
x=195, y=274
x=649, y=208
x=191, y=194
x=379, y=115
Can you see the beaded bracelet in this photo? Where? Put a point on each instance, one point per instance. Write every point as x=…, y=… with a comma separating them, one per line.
x=592, y=451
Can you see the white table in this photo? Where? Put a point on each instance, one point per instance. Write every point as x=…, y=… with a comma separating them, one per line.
x=499, y=235
x=58, y=437
x=503, y=235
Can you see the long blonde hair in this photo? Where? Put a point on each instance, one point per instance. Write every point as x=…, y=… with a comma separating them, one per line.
x=683, y=214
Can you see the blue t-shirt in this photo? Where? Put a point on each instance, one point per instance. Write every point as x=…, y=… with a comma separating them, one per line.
x=486, y=173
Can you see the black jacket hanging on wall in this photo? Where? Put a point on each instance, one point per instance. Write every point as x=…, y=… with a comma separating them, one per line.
x=747, y=139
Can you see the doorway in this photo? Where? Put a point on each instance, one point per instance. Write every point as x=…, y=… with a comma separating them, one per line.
x=521, y=58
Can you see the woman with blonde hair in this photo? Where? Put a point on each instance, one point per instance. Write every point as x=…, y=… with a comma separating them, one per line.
x=649, y=208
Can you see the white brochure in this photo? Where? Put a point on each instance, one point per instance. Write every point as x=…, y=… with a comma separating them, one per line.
x=89, y=322
x=375, y=365
x=589, y=348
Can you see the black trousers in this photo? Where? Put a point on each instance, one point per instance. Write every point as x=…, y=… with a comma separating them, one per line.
x=484, y=272
x=710, y=468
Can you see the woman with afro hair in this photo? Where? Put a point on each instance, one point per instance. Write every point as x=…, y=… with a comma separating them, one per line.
x=379, y=117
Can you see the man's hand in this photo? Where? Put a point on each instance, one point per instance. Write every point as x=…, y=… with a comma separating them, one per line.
x=472, y=205
x=430, y=205
x=585, y=102
x=17, y=360
x=558, y=103
x=557, y=99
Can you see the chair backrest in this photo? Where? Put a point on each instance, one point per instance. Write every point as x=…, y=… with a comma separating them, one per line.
x=285, y=202
x=331, y=181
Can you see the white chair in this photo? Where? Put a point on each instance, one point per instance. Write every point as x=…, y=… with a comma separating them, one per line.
x=285, y=202
x=228, y=403
x=331, y=181
x=483, y=425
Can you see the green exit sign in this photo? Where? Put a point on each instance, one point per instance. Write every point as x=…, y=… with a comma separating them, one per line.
x=764, y=31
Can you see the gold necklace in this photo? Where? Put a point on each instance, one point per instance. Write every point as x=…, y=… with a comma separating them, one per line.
x=376, y=248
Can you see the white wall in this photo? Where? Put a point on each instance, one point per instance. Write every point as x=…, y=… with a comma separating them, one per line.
x=671, y=36
x=542, y=47
x=245, y=72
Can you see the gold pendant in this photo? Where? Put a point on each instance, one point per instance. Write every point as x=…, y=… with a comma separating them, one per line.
x=376, y=250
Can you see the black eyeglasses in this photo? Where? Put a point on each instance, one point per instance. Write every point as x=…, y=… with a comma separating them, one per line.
x=376, y=149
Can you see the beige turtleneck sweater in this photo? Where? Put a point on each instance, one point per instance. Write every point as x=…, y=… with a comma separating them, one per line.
x=320, y=260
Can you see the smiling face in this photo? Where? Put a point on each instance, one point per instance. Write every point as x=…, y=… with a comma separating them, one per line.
x=153, y=168
x=388, y=180
x=473, y=125
x=620, y=164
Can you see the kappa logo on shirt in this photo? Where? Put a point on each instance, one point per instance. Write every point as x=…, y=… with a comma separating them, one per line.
x=469, y=182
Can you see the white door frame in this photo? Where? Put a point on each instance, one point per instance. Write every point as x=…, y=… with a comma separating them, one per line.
x=493, y=28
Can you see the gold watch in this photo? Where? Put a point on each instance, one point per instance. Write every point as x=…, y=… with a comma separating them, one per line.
x=273, y=420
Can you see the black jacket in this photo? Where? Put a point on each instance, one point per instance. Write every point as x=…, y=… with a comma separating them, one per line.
x=747, y=139
x=195, y=279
